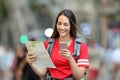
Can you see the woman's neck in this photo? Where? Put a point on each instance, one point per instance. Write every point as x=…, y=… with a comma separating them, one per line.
x=65, y=39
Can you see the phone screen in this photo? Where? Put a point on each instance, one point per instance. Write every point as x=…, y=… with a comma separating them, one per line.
x=63, y=45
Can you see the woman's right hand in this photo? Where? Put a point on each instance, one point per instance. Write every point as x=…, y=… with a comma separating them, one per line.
x=30, y=57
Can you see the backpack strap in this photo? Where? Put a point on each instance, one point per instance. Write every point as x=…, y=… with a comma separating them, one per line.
x=77, y=45
x=50, y=45
x=76, y=52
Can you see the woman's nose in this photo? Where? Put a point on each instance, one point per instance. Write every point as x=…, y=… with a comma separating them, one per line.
x=62, y=27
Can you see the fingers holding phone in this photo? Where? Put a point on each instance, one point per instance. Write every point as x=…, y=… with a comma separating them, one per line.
x=63, y=47
x=64, y=51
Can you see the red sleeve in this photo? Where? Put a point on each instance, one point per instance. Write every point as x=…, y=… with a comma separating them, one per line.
x=46, y=43
x=83, y=58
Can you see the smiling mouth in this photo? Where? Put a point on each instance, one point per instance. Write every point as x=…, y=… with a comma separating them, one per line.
x=62, y=31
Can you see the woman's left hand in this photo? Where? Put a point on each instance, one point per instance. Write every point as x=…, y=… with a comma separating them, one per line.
x=66, y=53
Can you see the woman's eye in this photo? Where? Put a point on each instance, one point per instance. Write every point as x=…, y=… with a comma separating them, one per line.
x=65, y=24
x=59, y=23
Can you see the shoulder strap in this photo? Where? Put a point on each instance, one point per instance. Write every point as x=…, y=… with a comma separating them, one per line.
x=50, y=45
x=76, y=53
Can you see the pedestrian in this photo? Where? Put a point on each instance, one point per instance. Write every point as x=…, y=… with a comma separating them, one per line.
x=65, y=30
x=21, y=69
x=116, y=64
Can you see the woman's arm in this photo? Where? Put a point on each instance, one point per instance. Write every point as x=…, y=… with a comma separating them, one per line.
x=79, y=69
x=31, y=58
x=77, y=72
x=41, y=72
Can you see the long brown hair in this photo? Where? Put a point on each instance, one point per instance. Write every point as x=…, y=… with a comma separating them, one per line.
x=73, y=30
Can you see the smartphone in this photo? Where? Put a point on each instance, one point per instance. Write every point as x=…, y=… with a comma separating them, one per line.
x=63, y=45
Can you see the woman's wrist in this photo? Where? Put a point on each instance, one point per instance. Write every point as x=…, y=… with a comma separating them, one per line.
x=71, y=59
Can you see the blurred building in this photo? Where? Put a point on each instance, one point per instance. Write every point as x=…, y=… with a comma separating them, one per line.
x=27, y=16
x=109, y=19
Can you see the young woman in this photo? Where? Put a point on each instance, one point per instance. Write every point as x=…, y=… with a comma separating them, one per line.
x=66, y=66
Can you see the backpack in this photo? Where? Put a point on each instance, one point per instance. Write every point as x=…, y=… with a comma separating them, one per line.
x=76, y=52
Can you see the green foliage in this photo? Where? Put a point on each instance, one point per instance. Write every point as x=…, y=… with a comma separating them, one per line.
x=31, y=4
x=117, y=0
x=3, y=10
x=117, y=18
x=1, y=27
x=97, y=1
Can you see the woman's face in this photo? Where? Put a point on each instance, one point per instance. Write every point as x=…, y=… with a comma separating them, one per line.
x=63, y=26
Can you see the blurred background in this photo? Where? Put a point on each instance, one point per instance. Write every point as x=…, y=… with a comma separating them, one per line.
x=22, y=20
